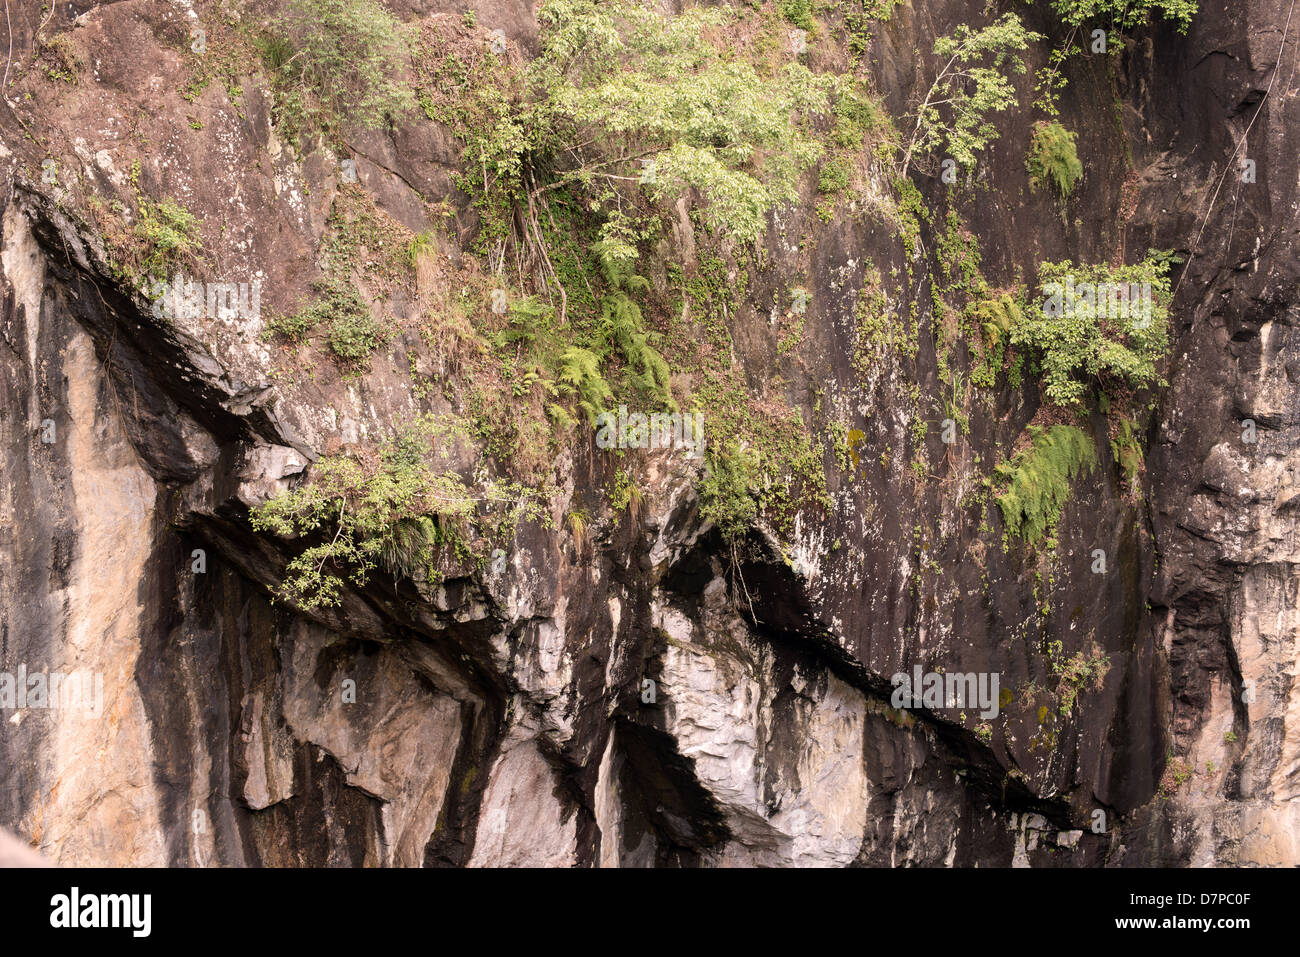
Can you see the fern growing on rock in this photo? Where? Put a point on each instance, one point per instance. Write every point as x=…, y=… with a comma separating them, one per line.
x=1037, y=480
x=620, y=326
x=578, y=375
x=1054, y=159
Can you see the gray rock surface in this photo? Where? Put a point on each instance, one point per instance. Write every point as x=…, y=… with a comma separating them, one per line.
x=499, y=718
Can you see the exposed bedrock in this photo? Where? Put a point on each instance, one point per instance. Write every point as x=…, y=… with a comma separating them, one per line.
x=636, y=695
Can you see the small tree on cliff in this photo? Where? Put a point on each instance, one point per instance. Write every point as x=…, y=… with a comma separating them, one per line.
x=974, y=82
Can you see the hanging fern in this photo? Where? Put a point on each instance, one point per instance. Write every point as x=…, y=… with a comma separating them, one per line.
x=579, y=375
x=726, y=497
x=620, y=326
x=1038, y=479
x=407, y=548
x=1053, y=159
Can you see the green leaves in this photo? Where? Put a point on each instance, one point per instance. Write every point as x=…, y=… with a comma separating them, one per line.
x=683, y=114
x=973, y=83
x=579, y=375
x=396, y=513
x=351, y=331
x=1053, y=159
x=798, y=13
x=620, y=326
x=170, y=235
x=337, y=61
x=1106, y=323
x=1037, y=480
x=1125, y=14
x=725, y=498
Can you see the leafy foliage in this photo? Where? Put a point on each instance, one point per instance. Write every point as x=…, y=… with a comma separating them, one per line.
x=170, y=236
x=1053, y=159
x=393, y=510
x=623, y=92
x=625, y=495
x=1125, y=14
x=859, y=15
x=833, y=176
x=1088, y=336
x=335, y=62
x=997, y=317
x=627, y=110
x=973, y=83
x=798, y=13
x=354, y=333
x=418, y=248
x=725, y=498
x=1076, y=673
x=351, y=330
x=1037, y=480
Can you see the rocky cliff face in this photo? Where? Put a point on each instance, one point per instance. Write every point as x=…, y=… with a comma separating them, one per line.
x=631, y=689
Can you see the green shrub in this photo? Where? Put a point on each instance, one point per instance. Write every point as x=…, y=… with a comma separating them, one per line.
x=355, y=334
x=1053, y=159
x=170, y=235
x=1083, y=330
x=395, y=514
x=668, y=93
x=859, y=116
x=365, y=517
x=725, y=499
x=421, y=245
x=296, y=327
x=1037, y=480
x=350, y=330
x=798, y=13
x=528, y=323
x=997, y=317
x=336, y=62
x=834, y=176
x=1077, y=673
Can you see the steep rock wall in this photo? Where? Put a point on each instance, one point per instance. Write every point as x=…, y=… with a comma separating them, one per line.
x=499, y=718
